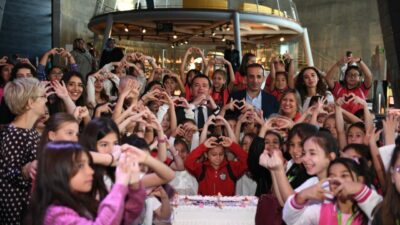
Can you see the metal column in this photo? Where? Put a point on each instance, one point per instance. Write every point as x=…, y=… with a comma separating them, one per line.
x=307, y=46
x=107, y=31
x=236, y=31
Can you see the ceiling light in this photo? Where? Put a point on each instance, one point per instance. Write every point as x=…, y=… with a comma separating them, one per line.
x=186, y=42
x=223, y=39
x=228, y=28
x=175, y=36
x=281, y=39
x=126, y=29
x=213, y=33
x=144, y=30
x=172, y=46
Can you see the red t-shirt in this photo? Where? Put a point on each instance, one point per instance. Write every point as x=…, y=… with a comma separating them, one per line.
x=240, y=82
x=361, y=91
x=278, y=94
x=220, y=97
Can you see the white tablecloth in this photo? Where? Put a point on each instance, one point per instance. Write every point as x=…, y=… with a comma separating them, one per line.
x=211, y=215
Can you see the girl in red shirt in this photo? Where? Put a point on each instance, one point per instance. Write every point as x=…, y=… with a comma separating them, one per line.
x=215, y=174
x=221, y=89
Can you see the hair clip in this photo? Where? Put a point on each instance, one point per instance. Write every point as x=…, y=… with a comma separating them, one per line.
x=395, y=169
x=356, y=160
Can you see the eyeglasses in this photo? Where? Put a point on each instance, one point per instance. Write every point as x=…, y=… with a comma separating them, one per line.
x=41, y=96
x=395, y=169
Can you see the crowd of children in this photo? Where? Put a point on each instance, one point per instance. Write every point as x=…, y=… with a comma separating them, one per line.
x=113, y=146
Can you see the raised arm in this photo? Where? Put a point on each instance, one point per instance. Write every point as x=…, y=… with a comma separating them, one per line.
x=291, y=72
x=162, y=174
x=333, y=70
x=340, y=123
x=367, y=72
x=182, y=69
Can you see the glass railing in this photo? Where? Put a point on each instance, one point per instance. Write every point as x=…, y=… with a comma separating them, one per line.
x=282, y=8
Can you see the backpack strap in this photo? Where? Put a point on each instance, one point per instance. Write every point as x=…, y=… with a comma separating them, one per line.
x=230, y=173
x=202, y=174
x=228, y=167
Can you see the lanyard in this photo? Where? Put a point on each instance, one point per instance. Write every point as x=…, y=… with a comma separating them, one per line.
x=339, y=218
x=290, y=178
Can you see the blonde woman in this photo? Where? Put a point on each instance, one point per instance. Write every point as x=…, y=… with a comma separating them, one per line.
x=26, y=98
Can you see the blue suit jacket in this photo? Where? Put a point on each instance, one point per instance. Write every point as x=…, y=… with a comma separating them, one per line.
x=269, y=104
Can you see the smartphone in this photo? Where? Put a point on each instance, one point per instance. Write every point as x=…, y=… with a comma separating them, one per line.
x=378, y=121
x=314, y=100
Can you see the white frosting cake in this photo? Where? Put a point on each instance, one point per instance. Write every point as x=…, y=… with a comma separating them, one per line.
x=221, y=210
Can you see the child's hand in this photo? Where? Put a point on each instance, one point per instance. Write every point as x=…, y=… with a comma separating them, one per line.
x=231, y=105
x=81, y=112
x=122, y=173
x=211, y=142
x=315, y=192
x=159, y=192
x=135, y=170
x=140, y=155
x=182, y=102
x=226, y=141
x=345, y=189
x=271, y=161
x=210, y=121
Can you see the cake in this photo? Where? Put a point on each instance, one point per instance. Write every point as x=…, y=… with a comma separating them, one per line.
x=226, y=210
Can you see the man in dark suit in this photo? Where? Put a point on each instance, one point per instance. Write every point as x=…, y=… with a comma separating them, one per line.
x=254, y=95
x=202, y=103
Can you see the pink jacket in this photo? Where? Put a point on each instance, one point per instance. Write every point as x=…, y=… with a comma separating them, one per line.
x=113, y=210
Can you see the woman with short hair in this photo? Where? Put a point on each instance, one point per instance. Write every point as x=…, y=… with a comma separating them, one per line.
x=26, y=98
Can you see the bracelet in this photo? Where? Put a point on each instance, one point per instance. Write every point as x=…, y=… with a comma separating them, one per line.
x=112, y=159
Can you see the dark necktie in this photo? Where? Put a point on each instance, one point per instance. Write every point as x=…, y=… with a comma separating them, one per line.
x=200, y=117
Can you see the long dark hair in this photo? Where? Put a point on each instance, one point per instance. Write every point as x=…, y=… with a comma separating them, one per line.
x=223, y=73
x=243, y=66
x=95, y=130
x=389, y=209
x=303, y=130
x=302, y=88
x=81, y=101
x=54, y=187
x=2, y=81
x=359, y=169
x=53, y=124
x=196, y=73
x=103, y=95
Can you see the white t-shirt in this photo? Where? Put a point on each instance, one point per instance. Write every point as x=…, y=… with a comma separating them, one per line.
x=386, y=153
x=246, y=186
x=184, y=183
x=150, y=205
